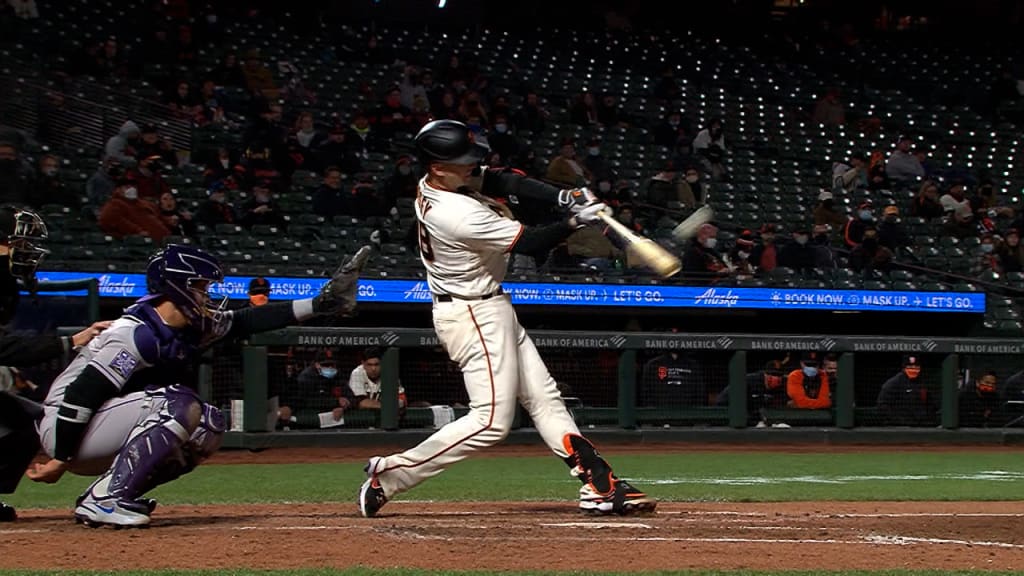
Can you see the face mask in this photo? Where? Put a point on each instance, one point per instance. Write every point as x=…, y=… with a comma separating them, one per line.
x=864, y=214
x=225, y=162
x=604, y=187
x=673, y=123
x=987, y=248
x=743, y=255
x=219, y=199
x=404, y=170
x=258, y=299
x=50, y=172
x=131, y=193
x=594, y=151
x=801, y=240
x=810, y=371
x=710, y=243
x=501, y=128
x=692, y=179
x=912, y=372
x=328, y=372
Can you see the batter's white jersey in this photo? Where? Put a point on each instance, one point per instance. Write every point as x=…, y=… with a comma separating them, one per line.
x=464, y=244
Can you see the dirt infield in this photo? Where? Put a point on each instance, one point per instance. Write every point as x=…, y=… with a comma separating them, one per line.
x=535, y=536
x=530, y=535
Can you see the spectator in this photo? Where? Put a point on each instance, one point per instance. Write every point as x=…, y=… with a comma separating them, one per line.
x=122, y=146
x=178, y=220
x=330, y=200
x=335, y=151
x=261, y=208
x=259, y=291
x=825, y=212
x=592, y=249
x=808, y=387
x=366, y=200
x=608, y=114
x=926, y=204
x=219, y=167
x=361, y=138
x=229, y=73
x=377, y=52
x=869, y=255
x=216, y=209
x=307, y=136
x=986, y=259
x=391, y=117
x=902, y=166
x=447, y=106
x=985, y=204
x=830, y=365
x=959, y=215
x=824, y=258
x=672, y=134
x=853, y=231
x=402, y=182
x=565, y=169
x=692, y=186
x=148, y=178
x=891, y=232
x=663, y=188
x=365, y=382
x=765, y=254
x=152, y=144
x=710, y=145
x=672, y=380
x=877, y=180
x=101, y=184
x=184, y=101
x=126, y=214
x=905, y=400
x=472, y=107
x=829, y=110
x=318, y=389
x=1011, y=256
x=49, y=188
x=738, y=259
x=596, y=164
x=799, y=254
x=584, y=110
x=531, y=117
x=700, y=260
x=411, y=87
x=258, y=78
x=980, y=404
x=503, y=141
x=851, y=175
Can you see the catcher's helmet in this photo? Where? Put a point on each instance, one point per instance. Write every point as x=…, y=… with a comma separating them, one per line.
x=450, y=142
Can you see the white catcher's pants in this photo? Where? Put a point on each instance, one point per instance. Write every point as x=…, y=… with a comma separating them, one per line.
x=500, y=365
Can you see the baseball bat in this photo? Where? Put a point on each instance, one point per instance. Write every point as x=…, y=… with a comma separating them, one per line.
x=644, y=251
x=688, y=228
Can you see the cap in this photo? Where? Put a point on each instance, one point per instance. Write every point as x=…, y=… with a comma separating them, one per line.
x=259, y=285
x=911, y=360
x=746, y=239
x=325, y=355
x=891, y=209
x=810, y=357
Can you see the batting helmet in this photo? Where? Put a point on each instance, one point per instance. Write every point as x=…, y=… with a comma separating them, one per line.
x=450, y=142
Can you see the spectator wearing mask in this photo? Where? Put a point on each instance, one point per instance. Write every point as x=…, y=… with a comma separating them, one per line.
x=701, y=261
x=808, y=386
x=692, y=187
x=101, y=184
x=987, y=257
x=765, y=254
x=799, y=254
x=869, y=255
x=825, y=212
x=738, y=259
x=259, y=291
x=566, y=169
x=216, y=209
x=177, y=219
x=1011, y=256
x=127, y=214
x=891, y=232
x=148, y=178
x=673, y=379
x=49, y=188
x=980, y=404
x=261, y=209
x=122, y=146
x=402, y=182
x=317, y=389
x=902, y=165
x=905, y=400
x=926, y=204
x=502, y=140
x=365, y=382
x=710, y=146
x=595, y=162
x=853, y=231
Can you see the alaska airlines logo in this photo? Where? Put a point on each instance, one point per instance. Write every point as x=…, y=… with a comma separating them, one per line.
x=116, y=287
x=711, y=297
x=419, y=291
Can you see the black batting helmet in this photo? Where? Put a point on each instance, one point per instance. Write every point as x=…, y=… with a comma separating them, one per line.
x=450, y=142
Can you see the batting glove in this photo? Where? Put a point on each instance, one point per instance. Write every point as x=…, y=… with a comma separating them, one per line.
x=338, y=295
x=588, y=215
x=576, y=197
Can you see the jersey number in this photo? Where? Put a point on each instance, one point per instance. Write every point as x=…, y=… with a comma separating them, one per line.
x=425, y=249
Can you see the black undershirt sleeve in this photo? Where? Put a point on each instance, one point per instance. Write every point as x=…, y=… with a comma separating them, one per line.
x=538, y=239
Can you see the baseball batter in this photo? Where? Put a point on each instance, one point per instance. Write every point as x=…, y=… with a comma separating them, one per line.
x=465, y=240
x=123, y=404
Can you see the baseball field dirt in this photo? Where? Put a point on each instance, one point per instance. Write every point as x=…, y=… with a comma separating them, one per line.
x=530, y=535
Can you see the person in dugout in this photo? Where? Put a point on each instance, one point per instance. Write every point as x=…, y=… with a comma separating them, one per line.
x=808, y=386
x=765, y=389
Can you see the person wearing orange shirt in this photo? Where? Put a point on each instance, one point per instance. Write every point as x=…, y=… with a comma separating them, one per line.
x=808, y=387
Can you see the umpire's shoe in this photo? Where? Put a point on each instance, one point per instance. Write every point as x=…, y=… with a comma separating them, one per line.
x=95, y=512
x=622, y=499
x=7, y=513
x=371, y=495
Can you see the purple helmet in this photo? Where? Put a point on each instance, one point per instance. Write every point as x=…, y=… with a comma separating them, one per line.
x=175, y=272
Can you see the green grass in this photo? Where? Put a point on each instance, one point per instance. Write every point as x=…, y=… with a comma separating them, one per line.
x=413, y=572
x=739, y=477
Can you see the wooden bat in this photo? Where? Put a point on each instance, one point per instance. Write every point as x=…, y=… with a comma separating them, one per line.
x=688, y=228
x=644, y=251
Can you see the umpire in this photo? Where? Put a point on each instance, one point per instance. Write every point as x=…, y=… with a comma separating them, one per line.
x=21, y=234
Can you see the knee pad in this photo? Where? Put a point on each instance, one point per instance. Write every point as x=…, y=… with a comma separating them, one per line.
x=183, y=406
x=209, y=434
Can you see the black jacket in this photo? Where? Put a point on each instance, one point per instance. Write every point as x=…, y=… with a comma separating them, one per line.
x=907, y=403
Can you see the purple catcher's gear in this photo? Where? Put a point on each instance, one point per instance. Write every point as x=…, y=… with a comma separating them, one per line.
x=182, y=274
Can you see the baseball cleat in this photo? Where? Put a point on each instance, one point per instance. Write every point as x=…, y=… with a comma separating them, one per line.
x=110, y=511
x=7, y=513
x=371, y=495
x=148, y=503
x=624, y=500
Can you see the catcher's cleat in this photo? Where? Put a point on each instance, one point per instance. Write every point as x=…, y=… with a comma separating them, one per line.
x=622, y=499
x=7, y=513
x=119, y=513
x=371, y=495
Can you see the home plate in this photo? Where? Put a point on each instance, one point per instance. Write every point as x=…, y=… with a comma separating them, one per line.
x=597, y=525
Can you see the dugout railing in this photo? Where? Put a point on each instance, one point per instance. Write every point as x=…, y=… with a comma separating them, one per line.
x=733, y=353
